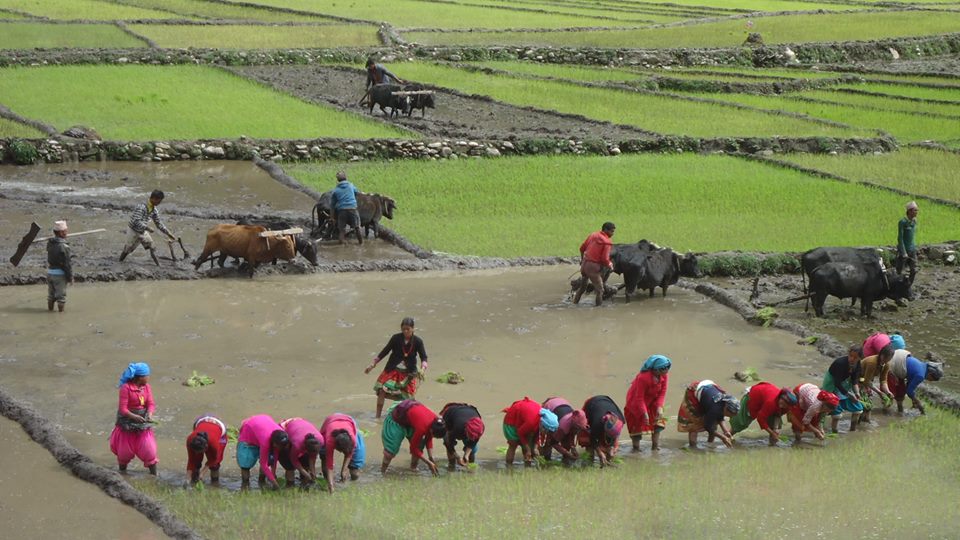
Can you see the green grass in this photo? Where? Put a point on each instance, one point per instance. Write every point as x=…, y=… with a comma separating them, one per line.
x=415, y=14
x=626, y=14
x=915, y=170
x=6, y=15
x=728, y=33
x=83, y=9
x=657, y=113
x=177, y=102
x=942, y=94
x=760, y=72
x=28, y=35
x=547, y=205
x=762, y=5
x=11, y=129
x=903, y=126
x=205, y=9
x=746, y=493
x=259, y=37
x=564, y=71
x=888, y=103
x=930, y=79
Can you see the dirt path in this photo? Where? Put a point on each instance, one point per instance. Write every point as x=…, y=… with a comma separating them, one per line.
x=456, y=115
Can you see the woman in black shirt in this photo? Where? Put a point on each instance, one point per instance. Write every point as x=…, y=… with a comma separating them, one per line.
x=400, y=376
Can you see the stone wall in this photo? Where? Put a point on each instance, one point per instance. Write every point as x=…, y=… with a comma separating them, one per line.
x=66, y=149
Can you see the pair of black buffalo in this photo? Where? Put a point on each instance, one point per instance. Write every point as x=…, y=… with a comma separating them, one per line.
x=646, y=266
x=399, y=99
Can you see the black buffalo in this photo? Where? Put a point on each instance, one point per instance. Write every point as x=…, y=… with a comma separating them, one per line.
x=383, y=96
x=302, y=245
x=646, y=266
x=812, y=259
x=419, y=101
x=370, y=206
x=868, y=282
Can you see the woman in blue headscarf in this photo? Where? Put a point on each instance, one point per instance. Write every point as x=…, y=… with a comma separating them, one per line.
x=133, y=434
x=644, y=408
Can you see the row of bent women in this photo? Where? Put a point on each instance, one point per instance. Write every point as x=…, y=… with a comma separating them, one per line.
x=882, y=366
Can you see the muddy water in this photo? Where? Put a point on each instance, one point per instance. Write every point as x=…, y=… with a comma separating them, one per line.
x=297, y=346
x=38, y=497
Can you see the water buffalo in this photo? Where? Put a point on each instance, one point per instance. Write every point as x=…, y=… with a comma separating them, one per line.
x=302, y=245
x=383, y=95
x=646, y=266
x=419, y=101
x=812, y=259
x=868, y=282
x=245, y=241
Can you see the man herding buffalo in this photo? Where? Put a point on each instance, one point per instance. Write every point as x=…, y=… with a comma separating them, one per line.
x=907, y=241
x=60, y=270
x=594, y=258
x=138, y=229
x=378, y=74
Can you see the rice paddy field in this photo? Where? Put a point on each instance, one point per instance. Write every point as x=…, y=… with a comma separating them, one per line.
x=32, y=35
x=688, y=202
x=83, y=9
x=259, y=37
x=204, y=9
x=760, y=493
x=11, y=129
x=184, y=102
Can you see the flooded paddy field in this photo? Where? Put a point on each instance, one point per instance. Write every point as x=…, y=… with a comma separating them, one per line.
x=38, y=496
x=297, y=346
x=199, y=195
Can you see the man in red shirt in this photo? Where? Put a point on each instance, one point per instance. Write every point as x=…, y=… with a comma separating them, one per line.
x=594, y=257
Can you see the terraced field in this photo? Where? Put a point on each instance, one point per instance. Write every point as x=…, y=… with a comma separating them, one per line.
x=203, y=9
x=32, y=35
x=259, y=37
x=83, y=9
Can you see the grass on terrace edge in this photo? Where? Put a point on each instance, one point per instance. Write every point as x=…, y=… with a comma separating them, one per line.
x=32, y=35
x=942, y=94
x=660, y=114
x=916, y=170
x=546, y=205
x=259, y=37
x=728, y=33
x=173, y=102
x=10, y=129
x=899, y=481
x=883, y=102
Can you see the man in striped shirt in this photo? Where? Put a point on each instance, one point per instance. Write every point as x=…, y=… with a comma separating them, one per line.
x=138, y=229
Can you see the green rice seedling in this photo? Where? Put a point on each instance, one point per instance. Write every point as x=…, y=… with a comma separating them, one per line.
x=83, y=9
x=216, y=10
x=760, y=489
x=767, y=315
x=563, y=71
x=905, y=127
x=749, y=6
x=413, y=14
x=8, y=15
x=31, y=35
x=914, y=170
x=882, y=78
x=10, y=129
x=232, y=433
x=661, y=114
x=175, y=102
x=805, y=28
x=920, y=92
x=757, y=72
x=688, y=202
x=259, y=37
x=889, y=103
x=197, y=380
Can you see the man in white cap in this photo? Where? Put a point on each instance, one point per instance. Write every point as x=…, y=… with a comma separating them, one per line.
x=59, y=271
x=906, y=241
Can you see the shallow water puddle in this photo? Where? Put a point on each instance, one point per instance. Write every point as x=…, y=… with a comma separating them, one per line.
x=297, y=346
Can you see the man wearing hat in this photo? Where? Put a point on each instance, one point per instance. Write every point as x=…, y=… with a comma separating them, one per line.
x=60, y=271
x=906, y=241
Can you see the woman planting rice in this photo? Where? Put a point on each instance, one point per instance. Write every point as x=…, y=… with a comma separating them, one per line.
x=704, y=406
x=644, y=409
x=209, y=438
x=766, y=404
x=306, y=442
x=412, y=420
x=400, y=376
x=462, y=422
x=260, y=439
x=570, y=422
x=906, y=374
x=843, y=379
x=606, y=422
x=812, y=404
x=521, y=427
x=874, y=367
x=340, y=433
x=133, y=434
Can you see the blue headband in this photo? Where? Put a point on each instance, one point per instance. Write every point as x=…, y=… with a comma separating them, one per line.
x=897, y=341
x=656, y=362
x=548, y=420
x=135, y=369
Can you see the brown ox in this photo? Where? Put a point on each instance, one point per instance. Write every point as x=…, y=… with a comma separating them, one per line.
x=244, y=241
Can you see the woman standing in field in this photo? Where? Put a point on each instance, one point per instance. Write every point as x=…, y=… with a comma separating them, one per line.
x=260, y=439
x=306, y=442
x=843, y=379
x=812, y=404
x=133, y=434
x=570, y=422
x=209, y=438
x=340, y=433
x=766, y=404
x=521, y=427
x=606, y=422
x=704, y=406
x=400, y=376
x=412, y=420
x=644, y=409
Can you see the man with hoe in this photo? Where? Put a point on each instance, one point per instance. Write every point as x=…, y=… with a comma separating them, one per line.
x=138, y=229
